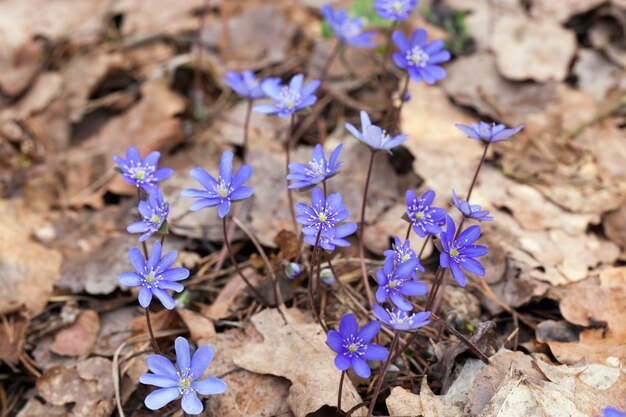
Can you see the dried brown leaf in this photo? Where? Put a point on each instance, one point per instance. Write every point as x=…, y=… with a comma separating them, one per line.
x=79, y=338
x=300, y=341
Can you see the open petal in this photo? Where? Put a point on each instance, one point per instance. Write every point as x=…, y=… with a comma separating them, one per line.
x=165, y=298
x=175, y=274
x=160, y=365
x=419, y=37
x=210, y=386
x=469, y=235
x=159, y=398
x=375, y=353
x=203, y=177
x=348, y=326
x=158, y=380
x=191, y=404
x=155, y=256
x=241, y=193
x=242, y=175
x=181, y=345
x=360, y=367
x=145, y=296
x=223, y=208
x=201, y=359
x=170, y=285
x=334, y=340
x=458, y=275
x=413, y=288
x=369, y=331
x=401, y=41
x=130, y=279
x=226, y=166
x=136, y=259
x=342, y=362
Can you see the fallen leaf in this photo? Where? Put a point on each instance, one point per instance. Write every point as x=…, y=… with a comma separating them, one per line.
x=614, y=227
x=88, y=385
x=493, y=95
x=114, y=330
x=79, y=338
x=223, y=305
x=597, y=76
x=315, y=379
x=533, y=49
x=35, y=408
x=13, y=337
x=248, y=394
x=28, y=270
x=562, y=10
x=199, y=326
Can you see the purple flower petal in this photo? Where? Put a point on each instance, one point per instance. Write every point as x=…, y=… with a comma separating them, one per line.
x=210, y=386
x=159, y=398
x=201, y=360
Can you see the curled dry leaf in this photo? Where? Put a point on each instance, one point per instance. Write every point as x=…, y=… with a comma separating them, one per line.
x=299, y=341
x=249, y=394
x=88, y=386
x=526, y=48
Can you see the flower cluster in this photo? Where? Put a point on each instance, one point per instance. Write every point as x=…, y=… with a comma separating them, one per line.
x=348, y=30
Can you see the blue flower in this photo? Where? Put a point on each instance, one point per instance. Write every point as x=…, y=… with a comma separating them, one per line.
x=323, y=215
x=373, y=136
x=402, y=252
x=488, y=133
x=317, y=170
x=222, y=191
x=352, y=345
x=460, y=253
x=333, y=237
x=471, y=211
x=395, y=283
x=348, y=30
x=612, y=412
x=182, y=379
x=426, y=220
x=245, y=84
x=394, y=9
x=293, y=270
x=288, y=99
x=154, y=276
x=142, y=173
x=154, y=213
x=421, y=59
x=400, y=320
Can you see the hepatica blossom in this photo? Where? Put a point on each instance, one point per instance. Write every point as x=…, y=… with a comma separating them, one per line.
x=460, y=252
x=293, y=270
x=154, y=276
x=471, y=211
x=220, y=192
x=612, y=412
x=352, y=345
x=394, y=283
x=488, y=133
x=402, y=252
x=182, y=380
x=373, y=136
x=245, y=84
x=288, y=99
x=142, y=173
x=399, y=320
x=348, y=30
x=323, y=215
x=394, y=9
x=426, y=220
x=316, y=170
x=333, y=237
x=154, y=213
x=420, y=58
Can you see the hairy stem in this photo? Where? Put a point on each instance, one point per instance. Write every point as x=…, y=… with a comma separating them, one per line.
x=314, y=263
x=329, y=62
x=364, y=276
x=343, y=374
x=236, y=265
x=292, y=208
x=383, y=370
x=155, y=346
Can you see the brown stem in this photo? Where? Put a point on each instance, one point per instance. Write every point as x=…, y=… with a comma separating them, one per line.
x=383, y=370
x=329, y=61
x=438, y=284
x=292, y=208
x=387, y=54
x=419, y=255
x=153, y=341
x=236, y=265
x=314, y=263
x=364, y=276
x=408, y=231
x=396, y=118
x=246, y=129
x=343, y=374
x=143, y=244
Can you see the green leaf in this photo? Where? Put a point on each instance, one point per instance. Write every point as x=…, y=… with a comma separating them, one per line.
x=164, y=229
